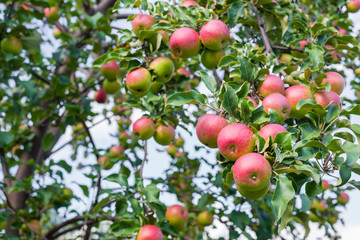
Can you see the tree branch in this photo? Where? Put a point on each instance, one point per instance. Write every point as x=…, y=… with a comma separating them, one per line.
x=287, y=48
x=41, y=78
x=144, y=160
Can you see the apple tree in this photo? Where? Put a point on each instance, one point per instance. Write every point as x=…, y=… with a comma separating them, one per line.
x=265, y=86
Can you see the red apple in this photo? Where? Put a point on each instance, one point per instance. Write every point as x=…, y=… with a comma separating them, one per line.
x=342, y=31
x=303, y=43
x=109, y=70
x=352, y=6
x=271, y=84
x=56, y=32
x=142, y=22
x=319, y=205
x=235, y=140
x=164, y=69
x=138, y=81
x=116, y=151
x=336, y=81
x=111, y=87
x=183, y=72
x=215, y=35
x=52, y=14
x=144, y=128
x=171, y=150
x=11, y=45
x=325, y=185
x=164, y=134
x=185, y=42
x=150, y=232
x=325, y=98
x=343, y=198
x=205, y=218
x=294, y=94
x=253, y=101
x=208, y=128
x=100, y=96
x=254, y=194
x=177, y=216
x=211, y=58
x=278, y=103
x=189, y=3
x=271, y=130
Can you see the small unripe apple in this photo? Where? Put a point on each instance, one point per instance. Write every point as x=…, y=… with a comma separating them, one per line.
x=294, y=94
x=111, y=87
x=235, y=140
x=150, y=232
x=109, y=70
x=100, y=96
x=155, y=87
x=11, y=45
x=215, y=35
x=185, y=42
x=52, y=14
x=56, y=32
x=278, y=103
x=189, y=3
x=142, y=22
x=257, y=194
x=325, y=98
x=205, y=218
x=116, y=151
x=271, y=84
x=194, y=83
x=144, y=128
x=138, y=81
x=164, y=69
x=336, y=81
x=35, y=224
x=177, y=216
x=357, y=71
x=343, y=198
x=319, y=205
x=325, y=185
x=211, y=58
x=271, y=130
x=179, y=142
x=171, y=150
x=208, y=129
x=104, y=162
x=332, y=220
x=164, y=134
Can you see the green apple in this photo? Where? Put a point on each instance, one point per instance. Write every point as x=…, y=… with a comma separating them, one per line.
x=11, y=45
x=164, y=69
x=111, y=87
x=211, y=58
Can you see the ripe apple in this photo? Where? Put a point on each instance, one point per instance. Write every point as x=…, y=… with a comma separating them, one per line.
x=177, y=216
x=171, y=150
x=142, y=22
x=164, y=134
x=100, y=96
x=352, y=6
x=278, y=103
x=52, y=14
x=182, y=72
x=11, y=45
x=252, y=172
x=205, y=218
x=325, y=185
x=254, y=194
x=138, y=81
x=294, y=94
x=150, y=232
x=189, y=3
x=271, y=130
x=208, y=128
x=144, y=128
x=357, y=71
x=211, y=58
x=325, y=98
x=253, y=101
x=271, y=84
x=164, y=69
x=343, y=198
x=179, y=142
x=56, y=32
x=235, y=140
x=215, y=35
x=319, y=205
x=116, y=151
x=104, y=162
x=341, y=31
x=336, y=81
x=111, y=87
x=109, y=70
x=185, y=42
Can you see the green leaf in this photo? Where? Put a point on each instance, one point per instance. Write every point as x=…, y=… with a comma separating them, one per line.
x=5, y=138
x=239, y=219
x=209, y=81
x=305, y=203
x=235, y=11
x=85, y=189
x=31, y=41
x=332, y=112
x=47, y=141
x=124, y=228
x=190, y=97
x=152, y=192
x=283, y=194
x=100, y=204
x=230, y=101
x=310, y=171
x=352, y=152
x=248, y=70
x=227, y=61
x=64, y=165
x=351, y=110
x=118, y=178
x=286, y=217
x=345, y=174
x=316, y=55
x=308, y=131
x=312, y=189
x=283, y=18
x=160, y=210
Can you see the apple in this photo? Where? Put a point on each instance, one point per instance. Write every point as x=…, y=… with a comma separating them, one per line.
x=164, y=69
x=35, y=224
x=278, y=103
x=215, y=35
x=116, y=151
x=150, y=232
x=11, y=45
x=144, y=128
x=100, y=96
x=25, y=7
x=185, y=42
x=183, y=72
x=52, y=14
x=271, y=130
x=205, y=218
x=179, y=142
x=211, y=58
x=286, y=58
x=325, y=185
x=56, y=32
x=189, y=3
x=313, y=217
x=104, y=162
x=254, y=194
x=138, y=81
x=109, y=70
x=253, y=101
x=194, y=83
x=252, y=172
x=142, y=22
x=111, y=87
x=235, y=140
x=325, y=98
x=177, y=216
x=271, y=84
x=171, y=150
x=341, y=31
x=352, y=6
x=336, y=81
x=357, y=71
x=208, y=128
x=67, y=192
x=124, y=136
x=164, y=134
x=343, y=198
x=332, y=220
x=303, y=43
x=294, y=94
x=319, y=205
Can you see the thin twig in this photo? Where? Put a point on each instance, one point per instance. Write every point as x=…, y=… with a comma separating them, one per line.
x=144, y=160
x=41, y=78
x=90, y=137
x=287, y=48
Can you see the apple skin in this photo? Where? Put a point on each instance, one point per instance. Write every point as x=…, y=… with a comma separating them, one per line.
x=138, y=81
x=144, y=128
x=179, y=142
x=336, y=81
x=325, y=185
x=205, y=218
x=183, y=72
x=271, y=84
x=177, y=216
x=332, y=220
x=342, y=31
x=104, y=162
x=352, y=6
x=357, y=71
x=252, y=172
x=235, y=140
x=185, y=42
x=211, y=58
x=277, y=103
x=303, y=43
x=109, y=70
x=343, y=198
x=142, y=22
x=100, y=96
x=150, y=232
x=319, y=205
x=271, y=130
x=294, y=94
x=116, y=151
x=52, y=14
x=171, y=150
x=325, y=98
x=253, y=101
x=164, y=68
x=189, y=3
x=164, y=134
x=215, y=35
x=111, y=87
x=56, y=32
x=208, y=128
x=254, y=194
x=11, y=45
